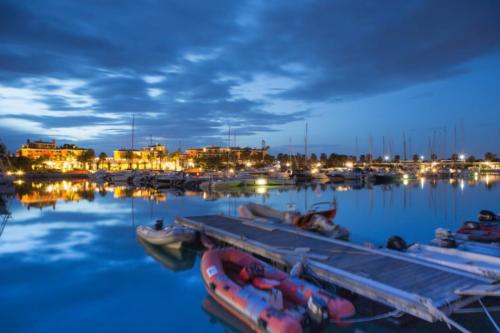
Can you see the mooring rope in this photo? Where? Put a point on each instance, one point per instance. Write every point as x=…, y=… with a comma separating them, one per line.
x=489, y=316
x=394, y=313
x=478, y=310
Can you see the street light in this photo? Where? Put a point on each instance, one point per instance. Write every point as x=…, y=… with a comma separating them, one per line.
x=421, y=157
x=386, y=157
x=462, y=157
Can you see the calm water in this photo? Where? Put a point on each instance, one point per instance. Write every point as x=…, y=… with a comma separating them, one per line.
x=70, y=259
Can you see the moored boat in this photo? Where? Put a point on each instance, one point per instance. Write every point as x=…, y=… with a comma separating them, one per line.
x=265, y=298
x=482, y=231
x=320, y=221
x=446, y=239
x=172, y=235
x=481, y=264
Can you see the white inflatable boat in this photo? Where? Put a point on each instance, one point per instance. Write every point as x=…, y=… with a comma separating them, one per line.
x=171, y=235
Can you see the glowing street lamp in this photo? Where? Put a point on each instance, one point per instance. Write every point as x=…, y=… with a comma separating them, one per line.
x=462, y=157
x=386, y=158
x=422, y=157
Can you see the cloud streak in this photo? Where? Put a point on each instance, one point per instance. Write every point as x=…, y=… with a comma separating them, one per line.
x=188, y=69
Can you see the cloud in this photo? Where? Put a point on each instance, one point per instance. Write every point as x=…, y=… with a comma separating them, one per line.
x=187, y=70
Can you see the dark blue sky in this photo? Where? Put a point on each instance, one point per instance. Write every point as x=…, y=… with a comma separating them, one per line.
x=77, y=71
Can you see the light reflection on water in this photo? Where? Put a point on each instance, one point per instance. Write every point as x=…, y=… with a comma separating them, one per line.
x=70, y=258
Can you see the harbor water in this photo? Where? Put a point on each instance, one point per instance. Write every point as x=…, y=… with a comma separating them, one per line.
x=70, y=259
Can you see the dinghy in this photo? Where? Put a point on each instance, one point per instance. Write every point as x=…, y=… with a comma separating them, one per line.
x=488, y=266
x=445, y=238
x=172, y=235
x=483, y=231
x=265, y=298
x=314, y=220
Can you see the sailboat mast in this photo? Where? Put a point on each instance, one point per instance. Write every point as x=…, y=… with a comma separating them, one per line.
x=305, y=146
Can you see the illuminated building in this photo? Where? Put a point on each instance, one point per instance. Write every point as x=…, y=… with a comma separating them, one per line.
x=66, y=157
x=153, y=157
x=238, y=154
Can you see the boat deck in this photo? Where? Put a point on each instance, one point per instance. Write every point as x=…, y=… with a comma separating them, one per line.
x=422, y=289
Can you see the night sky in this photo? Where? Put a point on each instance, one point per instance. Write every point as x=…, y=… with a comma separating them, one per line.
x=356, y=71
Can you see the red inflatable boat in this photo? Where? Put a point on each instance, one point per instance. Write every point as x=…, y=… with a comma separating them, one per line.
x=265, y=298
x=485, y=232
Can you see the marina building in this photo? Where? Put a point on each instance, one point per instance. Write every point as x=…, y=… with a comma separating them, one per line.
x=237, y=155
x=47, y=153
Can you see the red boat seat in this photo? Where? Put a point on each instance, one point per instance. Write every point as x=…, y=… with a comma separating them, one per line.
x=251, y=271
x=264, y=284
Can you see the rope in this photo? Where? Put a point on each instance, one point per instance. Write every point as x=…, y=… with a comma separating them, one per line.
x=394, y=313
x=477, y=310
x=489, y=316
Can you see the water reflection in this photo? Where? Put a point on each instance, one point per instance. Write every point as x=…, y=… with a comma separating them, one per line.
x=175, y=260
x=47, y=194
x=70, y=246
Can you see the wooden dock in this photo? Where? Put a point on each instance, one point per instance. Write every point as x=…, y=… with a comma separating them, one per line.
x=423, y=289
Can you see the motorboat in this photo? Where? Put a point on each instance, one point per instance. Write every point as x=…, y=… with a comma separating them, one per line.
x=481, y=264
x=265, y=298
x=221, y=184
x=482, y=231
x=172, y=235
x=317, y=220
x=446, y=239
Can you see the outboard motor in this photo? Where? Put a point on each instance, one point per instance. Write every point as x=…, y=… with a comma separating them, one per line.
x=445, y=238
x=472, y=225
x=396, y=243
x=487, y=215
x=159, y=224
x=317, y=311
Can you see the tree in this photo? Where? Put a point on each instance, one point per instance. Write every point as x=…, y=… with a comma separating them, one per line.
x=86, y=157
x=362, y=158
x=471, y=159
x=415, y=158
x=490, y=157
x=323, y=158
x=454, y=157
x=22, y=163
x=434, y=157
x=313, y=159
x=103, y=156
x=397, y=158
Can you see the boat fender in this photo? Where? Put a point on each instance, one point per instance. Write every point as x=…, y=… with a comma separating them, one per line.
x=471, y=225
x=297, y=269
x=317, y=311
x=206, y=242
x=396, y=243
x=487, y=215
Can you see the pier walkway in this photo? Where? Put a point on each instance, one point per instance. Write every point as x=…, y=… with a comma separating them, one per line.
x=423, y=289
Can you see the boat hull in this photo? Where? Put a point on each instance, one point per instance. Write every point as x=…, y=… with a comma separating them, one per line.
x=172, y=236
